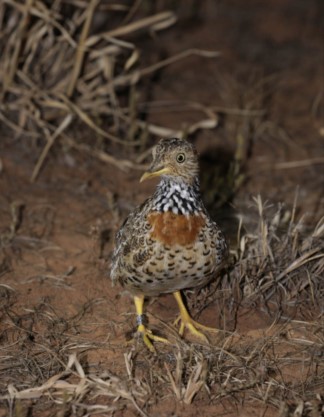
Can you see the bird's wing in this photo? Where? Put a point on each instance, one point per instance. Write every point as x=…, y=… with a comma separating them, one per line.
x=130, y=230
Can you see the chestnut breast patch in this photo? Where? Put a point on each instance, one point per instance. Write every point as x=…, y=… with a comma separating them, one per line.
x=175, y=229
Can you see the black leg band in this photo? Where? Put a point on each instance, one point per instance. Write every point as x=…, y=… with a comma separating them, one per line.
x=141, y=319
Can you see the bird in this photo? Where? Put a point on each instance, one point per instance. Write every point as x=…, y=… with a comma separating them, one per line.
x=169, y=243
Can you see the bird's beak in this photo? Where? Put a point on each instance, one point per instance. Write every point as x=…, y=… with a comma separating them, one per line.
x=151, y=174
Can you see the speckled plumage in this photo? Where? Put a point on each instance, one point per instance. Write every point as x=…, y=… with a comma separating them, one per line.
x=169, y=243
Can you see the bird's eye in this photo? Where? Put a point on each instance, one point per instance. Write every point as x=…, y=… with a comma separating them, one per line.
x=181, y=158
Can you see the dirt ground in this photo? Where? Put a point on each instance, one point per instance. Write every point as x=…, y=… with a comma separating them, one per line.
x=57, y=301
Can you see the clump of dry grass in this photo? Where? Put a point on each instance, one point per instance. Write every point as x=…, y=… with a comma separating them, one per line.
x=60, y=68
x=278, y=265
x=281, y=262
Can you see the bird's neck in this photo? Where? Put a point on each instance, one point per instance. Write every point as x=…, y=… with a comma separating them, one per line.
x=179, y=197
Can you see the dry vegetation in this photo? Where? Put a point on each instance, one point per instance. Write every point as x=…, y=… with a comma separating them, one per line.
x=278, y=269
x=56, y=70
x=62, y=72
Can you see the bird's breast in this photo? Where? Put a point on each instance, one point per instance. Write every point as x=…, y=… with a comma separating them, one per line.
x=175, y=229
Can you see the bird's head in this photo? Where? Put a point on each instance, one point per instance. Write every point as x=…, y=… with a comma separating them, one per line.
x=175, y=158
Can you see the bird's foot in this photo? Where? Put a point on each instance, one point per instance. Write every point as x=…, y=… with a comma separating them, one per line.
x=187, y=322
x=141, y=320
x=148, y=337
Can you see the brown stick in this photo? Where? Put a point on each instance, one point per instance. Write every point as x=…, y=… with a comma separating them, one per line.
x=81, y=47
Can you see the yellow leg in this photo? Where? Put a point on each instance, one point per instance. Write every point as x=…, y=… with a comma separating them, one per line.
x=187, y=322
x=147, y=334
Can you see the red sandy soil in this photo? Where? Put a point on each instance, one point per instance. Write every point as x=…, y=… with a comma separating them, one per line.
x=55, y=264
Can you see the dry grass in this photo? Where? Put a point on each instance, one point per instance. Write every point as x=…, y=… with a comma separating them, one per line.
x=278, y=268
x=59, y=70
x=286, y=266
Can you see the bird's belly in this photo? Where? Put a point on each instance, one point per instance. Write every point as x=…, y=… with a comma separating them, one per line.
x=170, y=269
x=178, y=252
